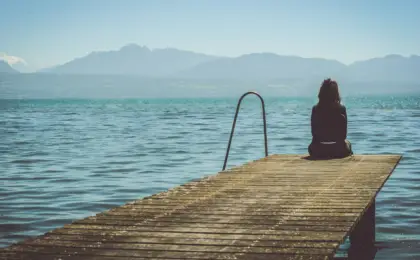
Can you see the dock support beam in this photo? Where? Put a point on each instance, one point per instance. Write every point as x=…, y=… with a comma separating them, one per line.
x=362, y=238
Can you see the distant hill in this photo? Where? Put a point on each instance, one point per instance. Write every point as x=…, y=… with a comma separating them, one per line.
x=133, y=60
x=265, y=66
x=389, y=68
x=141, y=61
x=6, y=68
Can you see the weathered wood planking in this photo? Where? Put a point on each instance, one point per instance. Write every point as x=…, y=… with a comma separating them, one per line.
x=279, y=207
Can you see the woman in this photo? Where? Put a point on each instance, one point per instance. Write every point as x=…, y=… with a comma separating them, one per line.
x=329, y=124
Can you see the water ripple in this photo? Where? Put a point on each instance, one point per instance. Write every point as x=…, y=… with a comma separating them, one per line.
x=64, y=160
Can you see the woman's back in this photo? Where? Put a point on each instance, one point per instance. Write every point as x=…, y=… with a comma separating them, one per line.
x=329, y=123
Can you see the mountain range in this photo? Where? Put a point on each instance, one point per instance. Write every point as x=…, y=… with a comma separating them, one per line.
x=133, y=60
x=138, y=60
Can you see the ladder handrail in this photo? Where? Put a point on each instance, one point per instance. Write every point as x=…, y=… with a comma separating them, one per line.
x=234, y=124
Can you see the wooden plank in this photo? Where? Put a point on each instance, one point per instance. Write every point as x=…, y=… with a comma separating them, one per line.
x=173, y=256
x=162, y=249
x=170, y=250
x=291, y=236
x=218, y=223
x=222, y=218
x=279, y=207
x=185, y=241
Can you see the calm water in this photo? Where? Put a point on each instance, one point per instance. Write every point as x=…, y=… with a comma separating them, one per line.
x=62, y=160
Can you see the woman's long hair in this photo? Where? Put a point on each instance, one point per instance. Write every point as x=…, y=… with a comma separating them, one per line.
x=329, y=94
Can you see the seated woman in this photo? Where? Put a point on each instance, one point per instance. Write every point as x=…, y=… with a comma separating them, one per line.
x=329, y=124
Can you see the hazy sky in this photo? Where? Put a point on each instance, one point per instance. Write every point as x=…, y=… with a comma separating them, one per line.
x=49, y=32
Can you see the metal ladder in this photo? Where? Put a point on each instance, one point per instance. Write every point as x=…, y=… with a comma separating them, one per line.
x=234, y=123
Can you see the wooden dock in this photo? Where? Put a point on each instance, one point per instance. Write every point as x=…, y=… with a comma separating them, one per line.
x=278, y=207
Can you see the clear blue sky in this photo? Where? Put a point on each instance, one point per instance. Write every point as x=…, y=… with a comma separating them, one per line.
x=50, y=32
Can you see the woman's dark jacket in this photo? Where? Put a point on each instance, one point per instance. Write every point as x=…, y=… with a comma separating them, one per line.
x=329, y=123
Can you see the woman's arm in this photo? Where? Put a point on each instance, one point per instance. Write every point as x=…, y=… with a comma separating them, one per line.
x=344, y=113
x=313, y=124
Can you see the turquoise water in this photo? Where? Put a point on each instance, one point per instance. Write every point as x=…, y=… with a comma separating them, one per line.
x=61, y=160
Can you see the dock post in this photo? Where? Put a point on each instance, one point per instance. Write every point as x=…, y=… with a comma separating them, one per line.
x=362, y=239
